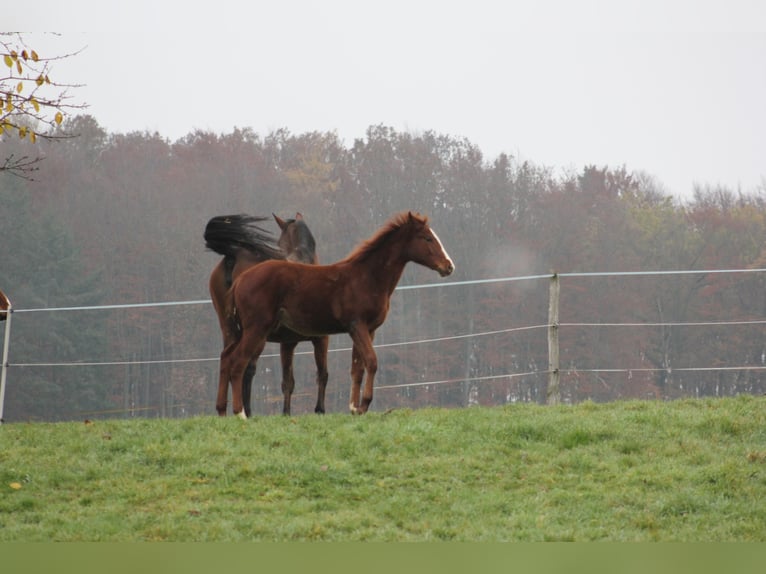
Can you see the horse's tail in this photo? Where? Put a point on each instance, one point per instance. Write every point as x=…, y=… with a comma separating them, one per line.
x=227, y=234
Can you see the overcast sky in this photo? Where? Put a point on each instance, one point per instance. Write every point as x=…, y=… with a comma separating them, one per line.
x=674, y=88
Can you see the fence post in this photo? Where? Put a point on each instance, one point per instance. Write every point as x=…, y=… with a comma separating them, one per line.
x=553, y=394
x=4, y=367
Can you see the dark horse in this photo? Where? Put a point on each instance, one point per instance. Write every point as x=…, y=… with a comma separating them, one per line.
x=244, y=244
x=351, y=296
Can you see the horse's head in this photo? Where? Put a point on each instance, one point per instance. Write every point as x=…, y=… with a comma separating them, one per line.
x=296, y=240
x=425, y=247
x=4, y=306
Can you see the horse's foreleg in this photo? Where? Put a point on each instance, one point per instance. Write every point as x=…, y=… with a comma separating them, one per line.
x=223, y=392
x=321, y=345
x=371, y=365
x=357, y=372
x=363, y=358
x=224, y=376
x=286, y=353
x=247, y=387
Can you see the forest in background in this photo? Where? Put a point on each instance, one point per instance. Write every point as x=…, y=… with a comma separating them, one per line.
x=118, y=218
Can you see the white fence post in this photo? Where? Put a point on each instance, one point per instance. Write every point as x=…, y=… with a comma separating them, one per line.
x=553, y=394
x=4, y=367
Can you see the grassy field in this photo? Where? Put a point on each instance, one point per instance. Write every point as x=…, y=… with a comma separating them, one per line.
x=692, y=470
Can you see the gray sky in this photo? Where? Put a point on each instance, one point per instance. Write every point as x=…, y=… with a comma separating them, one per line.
x=674, y=88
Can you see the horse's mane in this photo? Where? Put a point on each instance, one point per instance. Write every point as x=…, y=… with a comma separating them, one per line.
x=226, y=234
x=395, y=222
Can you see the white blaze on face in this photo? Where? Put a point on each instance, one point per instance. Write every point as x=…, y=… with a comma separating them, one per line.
x=441, y=245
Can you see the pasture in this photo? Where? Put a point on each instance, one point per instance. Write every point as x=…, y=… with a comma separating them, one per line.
x=688, y=470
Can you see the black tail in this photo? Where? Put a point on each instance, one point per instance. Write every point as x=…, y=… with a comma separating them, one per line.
x=227, y=234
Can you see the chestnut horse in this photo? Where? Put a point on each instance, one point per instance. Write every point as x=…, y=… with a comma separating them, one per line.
x=244, y=244
x=351, y=296
x=4, y=305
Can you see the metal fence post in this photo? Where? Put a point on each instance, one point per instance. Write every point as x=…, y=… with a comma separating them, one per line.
x=553, y=394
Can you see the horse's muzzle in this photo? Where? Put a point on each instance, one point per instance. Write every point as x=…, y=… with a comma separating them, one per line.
x=444, y=271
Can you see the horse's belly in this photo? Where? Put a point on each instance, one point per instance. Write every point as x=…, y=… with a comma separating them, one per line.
x=309, y=324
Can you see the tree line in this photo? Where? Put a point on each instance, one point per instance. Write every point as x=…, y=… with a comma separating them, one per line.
x=113, y=218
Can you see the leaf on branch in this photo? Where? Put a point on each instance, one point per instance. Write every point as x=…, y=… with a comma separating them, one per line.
x=33, y=137
x=35, y=104
x=8, y=61
x=22, y=132
x=19, y=87
x=40, y=80
x=35, y=57
x=59, y=118
x=18, y=67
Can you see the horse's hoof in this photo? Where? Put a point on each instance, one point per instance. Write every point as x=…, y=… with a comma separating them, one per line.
x=242, y=415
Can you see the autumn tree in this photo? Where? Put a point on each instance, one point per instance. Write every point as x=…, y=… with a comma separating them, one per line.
x=32, y=104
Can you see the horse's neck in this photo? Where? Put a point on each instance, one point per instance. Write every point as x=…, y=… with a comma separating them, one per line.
x=302, y=254
x=385, y=268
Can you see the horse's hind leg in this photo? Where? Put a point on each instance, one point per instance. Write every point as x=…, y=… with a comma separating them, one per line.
x=321, y=345
x=286, y=353
x=248, y=349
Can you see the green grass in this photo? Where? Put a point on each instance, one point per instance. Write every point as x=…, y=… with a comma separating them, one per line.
x=692, y=470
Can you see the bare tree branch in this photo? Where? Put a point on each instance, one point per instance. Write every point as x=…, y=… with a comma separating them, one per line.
x=22, y=167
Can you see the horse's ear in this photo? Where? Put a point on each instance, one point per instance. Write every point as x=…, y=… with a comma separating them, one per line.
x=298, y=215
x=281, y=222
x=416, y=218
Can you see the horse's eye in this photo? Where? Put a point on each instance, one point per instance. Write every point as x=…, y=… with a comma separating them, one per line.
x=428, y=238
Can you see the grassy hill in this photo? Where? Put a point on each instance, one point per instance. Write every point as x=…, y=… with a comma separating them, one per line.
x=691, y=470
